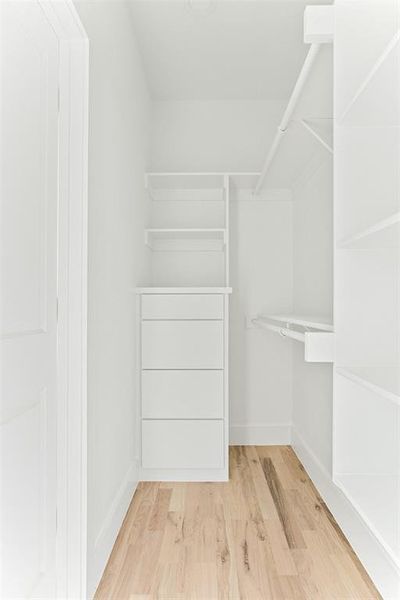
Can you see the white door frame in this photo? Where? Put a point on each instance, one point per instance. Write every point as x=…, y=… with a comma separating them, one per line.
x=72, y=298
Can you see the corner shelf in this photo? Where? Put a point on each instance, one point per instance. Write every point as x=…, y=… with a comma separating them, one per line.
x=382, y=234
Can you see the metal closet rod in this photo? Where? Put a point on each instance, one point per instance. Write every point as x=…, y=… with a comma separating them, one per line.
x=283, y=331
x=298, y=88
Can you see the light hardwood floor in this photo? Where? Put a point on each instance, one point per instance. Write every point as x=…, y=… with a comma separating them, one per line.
x=266, y=534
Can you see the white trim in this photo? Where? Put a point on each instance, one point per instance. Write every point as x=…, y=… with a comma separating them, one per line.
x=111, y=525
x=367, y=521
x=259, y=434
x=184, y=475
x=371, y=553
x=71, y=548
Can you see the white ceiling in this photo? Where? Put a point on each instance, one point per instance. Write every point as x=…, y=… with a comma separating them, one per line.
x=230, y=49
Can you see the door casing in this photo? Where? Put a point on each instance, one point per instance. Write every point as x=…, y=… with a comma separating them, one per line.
x=72, y=298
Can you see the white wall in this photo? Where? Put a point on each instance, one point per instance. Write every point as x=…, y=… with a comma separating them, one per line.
x=262, y=281
x=313, y=295
x=212, y=135
x=119, y=106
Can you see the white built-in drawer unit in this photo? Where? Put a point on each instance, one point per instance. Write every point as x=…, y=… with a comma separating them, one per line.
x=184, y=395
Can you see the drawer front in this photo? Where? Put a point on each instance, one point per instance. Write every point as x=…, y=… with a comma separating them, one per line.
x=182, y=306
x=182, y=444
x=182, y=344
x=183, y=394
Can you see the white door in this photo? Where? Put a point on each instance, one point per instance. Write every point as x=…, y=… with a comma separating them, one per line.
x=28, y=244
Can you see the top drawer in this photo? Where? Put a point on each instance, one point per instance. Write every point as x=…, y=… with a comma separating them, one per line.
x=182, y=306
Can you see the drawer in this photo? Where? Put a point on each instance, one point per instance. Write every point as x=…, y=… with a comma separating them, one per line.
x=183, y=444
x=183, y=394
x=183, y=306
x=182, y=344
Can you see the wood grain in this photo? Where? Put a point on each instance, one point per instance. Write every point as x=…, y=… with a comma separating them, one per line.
x=264, y=535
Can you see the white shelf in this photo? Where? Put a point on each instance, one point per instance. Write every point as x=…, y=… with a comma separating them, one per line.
x=384, y=381
x=199, y=181
x=187, y=195
x=183, y=290
x=154, y=236
x=320, y=323
x=319, y=346
x=383, y=234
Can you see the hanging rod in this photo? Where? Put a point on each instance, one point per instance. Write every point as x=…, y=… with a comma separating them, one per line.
x=283, y=331
x=282, y=128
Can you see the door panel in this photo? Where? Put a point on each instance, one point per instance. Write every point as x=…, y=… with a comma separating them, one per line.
x=29, y=194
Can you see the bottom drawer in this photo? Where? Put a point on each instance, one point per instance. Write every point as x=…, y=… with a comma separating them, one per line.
x=183, y=444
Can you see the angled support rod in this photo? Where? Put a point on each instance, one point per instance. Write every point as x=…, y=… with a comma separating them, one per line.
x=282, y=128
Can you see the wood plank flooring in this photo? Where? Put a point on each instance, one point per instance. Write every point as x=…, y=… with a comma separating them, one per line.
x=266, y=534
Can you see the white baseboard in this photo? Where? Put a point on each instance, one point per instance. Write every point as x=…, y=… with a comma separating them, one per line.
x=195, y=475
x=110, y=528
x=259, y=434
x=377, y=562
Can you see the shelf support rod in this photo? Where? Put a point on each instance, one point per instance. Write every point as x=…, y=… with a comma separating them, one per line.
x=282, y=128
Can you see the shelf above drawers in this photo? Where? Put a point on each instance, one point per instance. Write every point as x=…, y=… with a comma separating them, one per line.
x=178, y=306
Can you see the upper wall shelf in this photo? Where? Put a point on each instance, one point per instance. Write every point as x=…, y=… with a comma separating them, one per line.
x=181, y=180
x=184, y=290
x=383, y=234
x=199, y=181
x=204, y=239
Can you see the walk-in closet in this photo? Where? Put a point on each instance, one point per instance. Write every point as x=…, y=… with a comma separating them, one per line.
x=238, y=431
x=267, y=306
